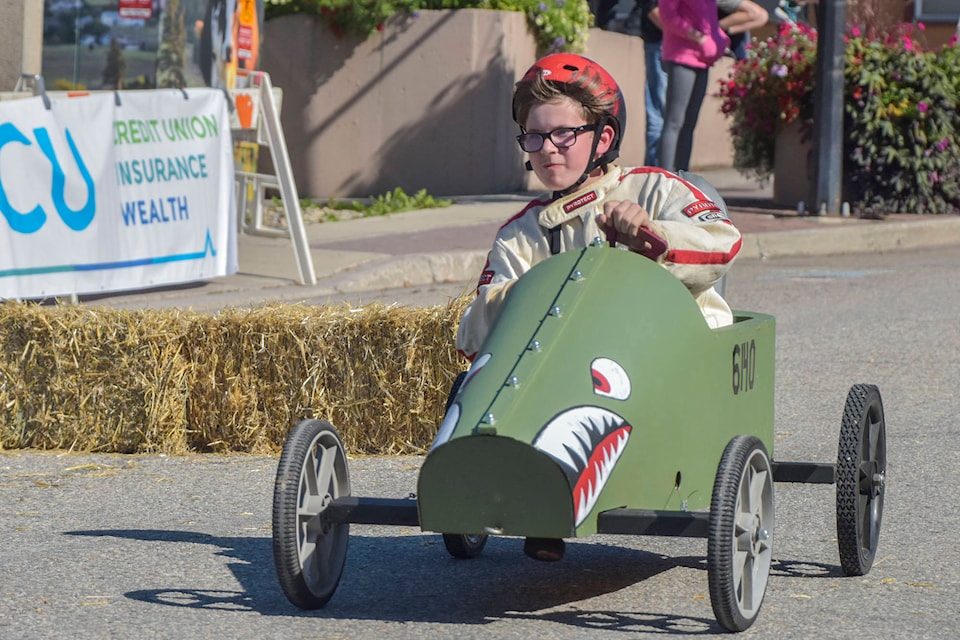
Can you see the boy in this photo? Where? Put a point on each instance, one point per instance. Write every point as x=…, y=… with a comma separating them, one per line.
x=572, y=118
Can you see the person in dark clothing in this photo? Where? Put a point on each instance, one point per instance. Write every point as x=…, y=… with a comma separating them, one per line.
x=655, y=92
x=604, y=13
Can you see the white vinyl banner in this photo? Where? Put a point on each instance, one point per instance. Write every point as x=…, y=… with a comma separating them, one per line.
x=115, y=191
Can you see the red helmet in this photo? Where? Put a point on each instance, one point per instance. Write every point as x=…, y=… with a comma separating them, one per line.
x=570, y=68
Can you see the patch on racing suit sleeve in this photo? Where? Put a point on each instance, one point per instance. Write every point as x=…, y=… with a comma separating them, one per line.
x=701, y=207
x=485, y=278
x=711, y=216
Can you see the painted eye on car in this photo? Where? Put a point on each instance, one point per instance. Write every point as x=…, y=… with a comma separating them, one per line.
x=609, y=379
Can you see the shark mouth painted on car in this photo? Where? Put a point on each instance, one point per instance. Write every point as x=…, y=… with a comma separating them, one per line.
x=587, y=442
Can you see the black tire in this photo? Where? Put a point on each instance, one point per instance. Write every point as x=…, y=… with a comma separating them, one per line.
x=861, y=478
x=312, y=472
x=740, y=533
x=464, y=546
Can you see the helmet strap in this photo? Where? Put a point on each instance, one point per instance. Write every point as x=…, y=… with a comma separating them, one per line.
x=593, y=163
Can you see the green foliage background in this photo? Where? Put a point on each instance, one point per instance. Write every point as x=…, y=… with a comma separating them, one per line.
x=557, y=25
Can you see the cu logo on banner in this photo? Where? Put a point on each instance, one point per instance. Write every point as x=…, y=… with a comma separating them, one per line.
x=33, y=220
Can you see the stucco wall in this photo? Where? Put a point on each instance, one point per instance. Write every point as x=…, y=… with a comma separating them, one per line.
x=419, y=105
x=425, y=103
x=21, y=40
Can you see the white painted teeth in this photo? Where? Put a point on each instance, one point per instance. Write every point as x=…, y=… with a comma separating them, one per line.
x=589, y=494
x=572, y=436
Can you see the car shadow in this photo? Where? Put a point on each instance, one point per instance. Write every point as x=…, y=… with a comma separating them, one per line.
x=411, y=578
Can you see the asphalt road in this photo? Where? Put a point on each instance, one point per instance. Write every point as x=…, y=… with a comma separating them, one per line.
x=103, y=546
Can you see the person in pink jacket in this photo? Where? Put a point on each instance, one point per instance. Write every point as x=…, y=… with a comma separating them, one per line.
x=692, y=42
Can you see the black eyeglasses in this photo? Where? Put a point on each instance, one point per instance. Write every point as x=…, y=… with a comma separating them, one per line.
x=561, y=138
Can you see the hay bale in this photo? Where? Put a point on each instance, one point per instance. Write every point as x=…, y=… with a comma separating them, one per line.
x=95, y=379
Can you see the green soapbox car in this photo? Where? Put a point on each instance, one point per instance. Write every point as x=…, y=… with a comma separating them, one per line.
x=601, y=402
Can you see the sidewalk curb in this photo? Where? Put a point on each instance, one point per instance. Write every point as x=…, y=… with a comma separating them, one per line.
x=866, y=237
x=394, y=272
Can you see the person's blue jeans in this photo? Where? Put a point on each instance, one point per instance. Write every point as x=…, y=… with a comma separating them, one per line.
x=655, y=95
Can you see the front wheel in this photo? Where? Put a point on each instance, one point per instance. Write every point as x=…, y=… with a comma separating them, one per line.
x=861, y=478
x=309, y=554
x=740, y=533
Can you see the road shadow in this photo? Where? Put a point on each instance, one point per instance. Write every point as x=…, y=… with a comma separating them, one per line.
x=411, y=578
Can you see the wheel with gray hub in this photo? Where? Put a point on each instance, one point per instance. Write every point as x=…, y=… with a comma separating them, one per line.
x=740, y=533
x=309, y=554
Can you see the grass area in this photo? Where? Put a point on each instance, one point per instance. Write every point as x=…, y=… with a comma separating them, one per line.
x=59, y=60
x=335, y=210
x=391, y=202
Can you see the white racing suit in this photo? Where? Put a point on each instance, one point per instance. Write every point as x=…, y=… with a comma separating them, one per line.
x=701, y=242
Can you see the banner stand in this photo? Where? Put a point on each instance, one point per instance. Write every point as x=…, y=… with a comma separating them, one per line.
x=34, y=84
x=256, y=110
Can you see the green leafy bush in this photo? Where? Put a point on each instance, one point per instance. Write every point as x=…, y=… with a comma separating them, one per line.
x=901, y=115
x=557, y=25
x=392, y=202
x=902, y=125
x=382, y=205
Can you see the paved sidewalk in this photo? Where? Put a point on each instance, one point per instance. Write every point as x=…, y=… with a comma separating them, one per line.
x=420, y=248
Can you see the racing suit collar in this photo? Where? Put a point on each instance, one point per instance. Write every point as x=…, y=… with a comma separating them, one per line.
x=576, y=204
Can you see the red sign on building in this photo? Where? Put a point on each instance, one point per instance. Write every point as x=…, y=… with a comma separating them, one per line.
x=136, y=9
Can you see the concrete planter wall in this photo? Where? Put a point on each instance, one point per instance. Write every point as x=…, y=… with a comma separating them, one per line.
x=793, y=169
x=425, y=103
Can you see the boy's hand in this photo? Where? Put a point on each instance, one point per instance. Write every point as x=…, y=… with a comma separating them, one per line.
x=628, y=223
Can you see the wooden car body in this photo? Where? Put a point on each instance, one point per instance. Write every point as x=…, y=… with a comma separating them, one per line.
x=600, y=387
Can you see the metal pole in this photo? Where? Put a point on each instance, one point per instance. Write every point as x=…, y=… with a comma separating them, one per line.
x=828, y=105
x=76, y=40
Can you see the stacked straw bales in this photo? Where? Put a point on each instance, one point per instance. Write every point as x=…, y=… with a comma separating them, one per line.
x=106, y=380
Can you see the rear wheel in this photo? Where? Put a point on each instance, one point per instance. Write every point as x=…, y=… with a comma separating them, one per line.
x=740, y=533
x=861, y=478
x=309, y=554
x=464, y=546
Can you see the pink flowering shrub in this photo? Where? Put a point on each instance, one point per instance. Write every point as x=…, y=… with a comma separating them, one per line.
x=766, y=91
x=901, y=115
